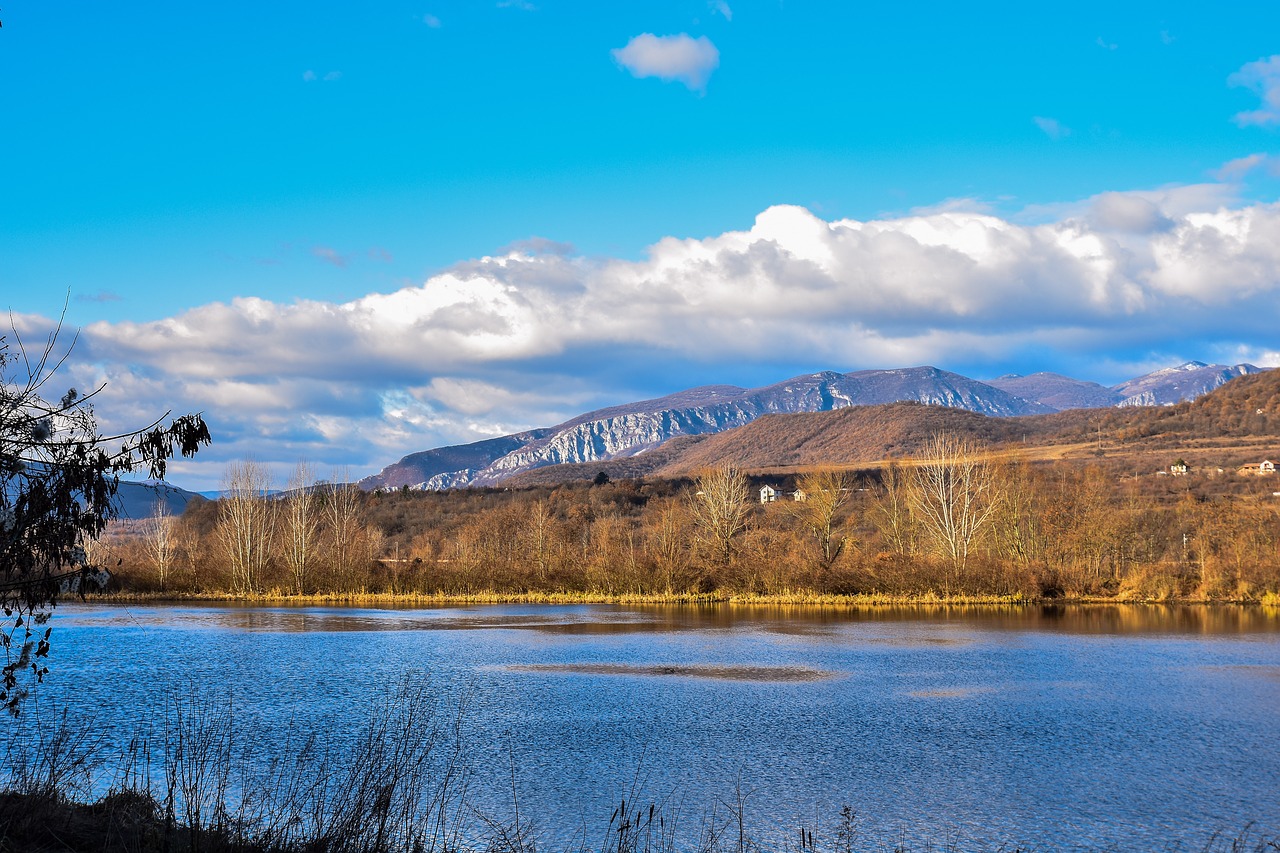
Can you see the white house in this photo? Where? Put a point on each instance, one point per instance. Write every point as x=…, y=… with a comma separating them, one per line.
x=1266, y=467
x=768, y=494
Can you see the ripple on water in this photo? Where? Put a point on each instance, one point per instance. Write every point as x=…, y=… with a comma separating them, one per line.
x=950, y=692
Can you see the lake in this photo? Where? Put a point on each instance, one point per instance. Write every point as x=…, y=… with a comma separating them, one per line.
x=1074, y=728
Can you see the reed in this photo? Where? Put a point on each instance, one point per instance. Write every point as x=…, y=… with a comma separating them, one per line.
x=413, y=599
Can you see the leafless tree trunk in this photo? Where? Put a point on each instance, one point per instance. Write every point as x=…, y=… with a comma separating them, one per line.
x=667, y=543
x=160, y=541
x=825, y=491
x=892, y=512
x=954, y=493
x=344, y=515
x=247, y=525
x=539, y=525
x=301, y=519
x=719, y=507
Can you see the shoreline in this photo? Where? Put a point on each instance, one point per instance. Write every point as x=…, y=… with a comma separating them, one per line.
x=818, y=600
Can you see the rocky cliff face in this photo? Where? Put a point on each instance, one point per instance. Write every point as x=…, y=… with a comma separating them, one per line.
x=623, y=431
x=1175, y=384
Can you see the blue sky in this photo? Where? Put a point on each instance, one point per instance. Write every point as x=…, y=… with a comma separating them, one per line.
x=347, y=233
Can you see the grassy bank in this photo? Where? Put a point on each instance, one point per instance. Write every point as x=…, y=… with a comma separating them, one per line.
x=798, y=598
x=375, y=599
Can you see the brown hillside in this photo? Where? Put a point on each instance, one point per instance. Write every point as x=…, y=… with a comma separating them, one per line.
x=844, y=436
x=1222, y=428
x=1225, y=424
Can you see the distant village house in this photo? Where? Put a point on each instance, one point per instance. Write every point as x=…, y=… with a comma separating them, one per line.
x=768, y=494
x=1264, y=468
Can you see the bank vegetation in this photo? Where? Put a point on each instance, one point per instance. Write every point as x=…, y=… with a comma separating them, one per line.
x=954, y=521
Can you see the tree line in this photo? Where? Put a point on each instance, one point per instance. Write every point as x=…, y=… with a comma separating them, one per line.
x=950, y=521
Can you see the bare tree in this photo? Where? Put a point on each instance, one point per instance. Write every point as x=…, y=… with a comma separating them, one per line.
x=719, y=508
x=891, y=513
x=247, y=525
x=160, y=540
x=822, y=493
x=344, y=518
x=539, y=528
x=301, y=523
x=667, y=542
x=953, y=494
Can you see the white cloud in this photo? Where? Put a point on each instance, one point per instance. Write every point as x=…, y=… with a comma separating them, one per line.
x=1051, y=126
x=529, y=337
x=679, y=57
x=431, y=21
x=1128, y=213
x=1263, y=78
x=1234, y=170
x=1106, y=45
x=722, y=8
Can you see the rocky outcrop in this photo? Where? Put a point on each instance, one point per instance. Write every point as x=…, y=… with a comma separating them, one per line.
x=1176, y=384
x=622, y=431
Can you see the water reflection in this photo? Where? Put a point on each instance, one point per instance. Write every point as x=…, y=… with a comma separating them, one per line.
x=606, y=620
x=1072, y=726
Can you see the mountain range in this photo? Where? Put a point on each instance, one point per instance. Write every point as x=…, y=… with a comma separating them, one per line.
x=135, y=500
x=620, y=432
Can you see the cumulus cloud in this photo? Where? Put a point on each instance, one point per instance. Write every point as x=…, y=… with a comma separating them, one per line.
x=538, y=246
x=1263, y=78
x=679, y=57
x=537, y=333
x=1128, y=213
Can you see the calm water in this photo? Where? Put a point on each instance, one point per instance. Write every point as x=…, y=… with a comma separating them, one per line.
x=1076, y=728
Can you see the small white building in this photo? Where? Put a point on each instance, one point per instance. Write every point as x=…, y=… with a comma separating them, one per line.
x=768, y=494
x=1266, y=467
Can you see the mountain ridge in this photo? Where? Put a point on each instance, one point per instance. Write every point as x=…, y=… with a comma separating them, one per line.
x=629, y=430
